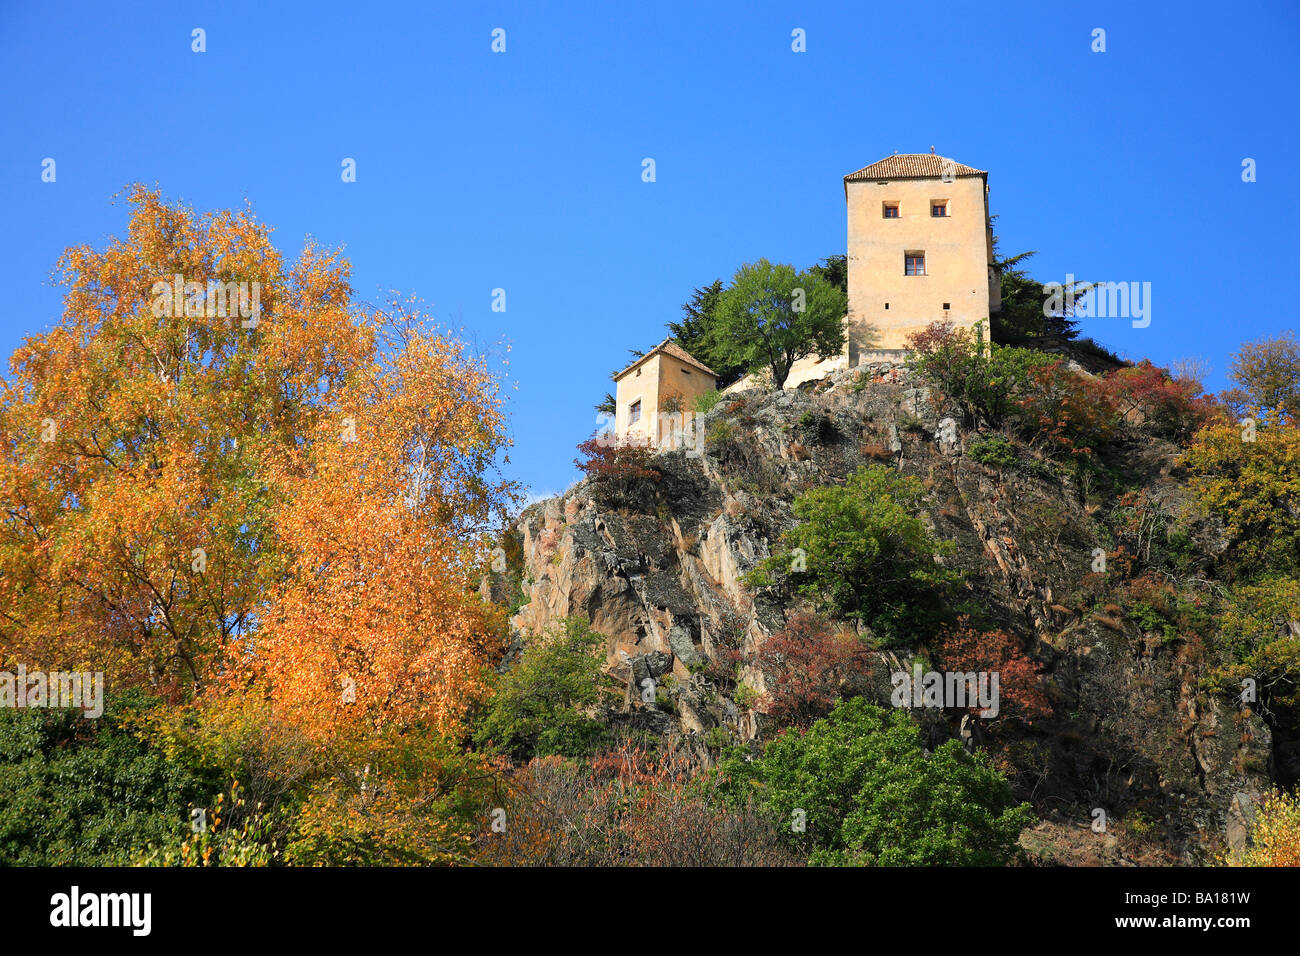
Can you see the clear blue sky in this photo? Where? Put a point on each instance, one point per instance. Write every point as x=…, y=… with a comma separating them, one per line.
x=522, y=170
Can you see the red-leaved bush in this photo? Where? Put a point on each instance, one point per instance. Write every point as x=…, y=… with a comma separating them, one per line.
x=622, y=472
x=1167, y=407
x=1067, y=413
x=1020, y=691
x=808, y=665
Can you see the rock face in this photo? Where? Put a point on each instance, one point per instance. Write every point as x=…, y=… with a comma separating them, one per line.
x=659, y=570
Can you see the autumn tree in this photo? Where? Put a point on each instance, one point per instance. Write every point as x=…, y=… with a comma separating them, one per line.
x=1267, y=377
x=1275, y=832
x=965, y=648
x=138, y=533
x=388, y=513
x=1248, y=476
x=216, y=463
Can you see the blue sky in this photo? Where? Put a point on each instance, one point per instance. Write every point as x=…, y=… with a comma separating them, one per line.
x=522, y=170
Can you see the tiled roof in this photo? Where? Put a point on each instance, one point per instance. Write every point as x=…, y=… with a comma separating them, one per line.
x=669, y=347
x=911, y=166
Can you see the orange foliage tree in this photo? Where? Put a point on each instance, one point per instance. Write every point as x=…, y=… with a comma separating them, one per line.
x=183, y=495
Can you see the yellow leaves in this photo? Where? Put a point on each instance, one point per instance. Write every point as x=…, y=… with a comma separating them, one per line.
x=320, y=557
x=1275, y=832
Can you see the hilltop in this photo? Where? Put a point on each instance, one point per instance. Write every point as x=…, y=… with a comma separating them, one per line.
x=660, y=563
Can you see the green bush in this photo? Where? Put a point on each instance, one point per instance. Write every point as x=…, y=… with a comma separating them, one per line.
x=994, y=450
x=707, y=402
x=984, y=388
x=865, y=555
x=537, y=709
x=870, y=795
x=79, y=792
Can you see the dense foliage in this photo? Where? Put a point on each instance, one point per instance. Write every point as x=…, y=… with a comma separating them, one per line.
x=858, y=788
x=538, y=708
x=862, y=551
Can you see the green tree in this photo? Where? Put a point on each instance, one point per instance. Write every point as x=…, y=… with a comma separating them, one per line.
x=835, y=270
x=771, y=316
x=538, y=706
x=870, y=795
x=1022, y=316
x=862, y=551
x=697, y=330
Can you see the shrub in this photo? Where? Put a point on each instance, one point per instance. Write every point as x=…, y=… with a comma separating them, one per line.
x=620, y=472
x=85, y=792
x=1020, y=693
x=719, y=436
x=1170, y=408
x=815, y=428
x=993, y=450
x=865, y=554
x=983, y=387
x=1275, y=833
x=808, y=665
x=537, y=707
x=870, y=795
x=233, y=834
x=1068, y=414
x=631, y=807
x=876, y=451
x=707, y=402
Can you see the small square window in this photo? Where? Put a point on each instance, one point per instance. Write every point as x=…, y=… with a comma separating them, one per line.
x=634, y=412
x=886, y=306
x=947, y=306
x=891, y=210
x=914, y=264
x=939, y=208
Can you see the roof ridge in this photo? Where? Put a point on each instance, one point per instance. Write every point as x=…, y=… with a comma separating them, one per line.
x=913, y=166
x=669, y=347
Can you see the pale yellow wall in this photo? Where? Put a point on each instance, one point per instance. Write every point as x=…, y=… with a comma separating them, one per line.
x=957, y=258
x=644, y=387
x=661, y=375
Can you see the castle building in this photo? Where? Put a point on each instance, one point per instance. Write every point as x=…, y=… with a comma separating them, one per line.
x=920, y=250
x=654, y=391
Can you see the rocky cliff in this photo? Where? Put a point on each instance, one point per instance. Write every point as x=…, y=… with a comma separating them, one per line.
x=658, y=567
